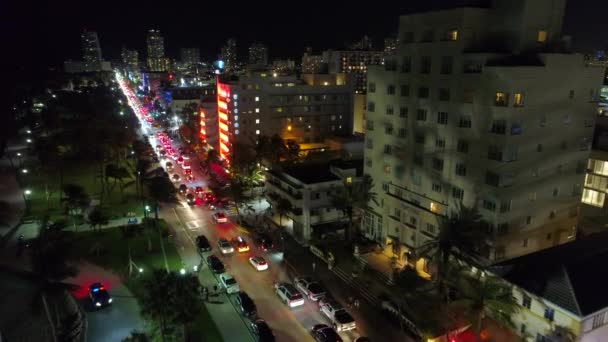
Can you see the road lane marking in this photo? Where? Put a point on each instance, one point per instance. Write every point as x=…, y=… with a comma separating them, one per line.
x=182, y=224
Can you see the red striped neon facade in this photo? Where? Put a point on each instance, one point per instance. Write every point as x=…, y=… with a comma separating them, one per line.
x=202, y=132
x=223, y=97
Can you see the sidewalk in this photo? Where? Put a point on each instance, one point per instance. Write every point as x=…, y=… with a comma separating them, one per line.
x=10, y=194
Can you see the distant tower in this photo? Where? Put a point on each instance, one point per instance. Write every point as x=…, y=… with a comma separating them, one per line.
x=156, y=52
x=258, y=54
x=91, y=50
x=130, y=57
x=229, y=54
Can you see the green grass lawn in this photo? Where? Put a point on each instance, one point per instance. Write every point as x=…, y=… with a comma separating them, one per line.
x=83, y=174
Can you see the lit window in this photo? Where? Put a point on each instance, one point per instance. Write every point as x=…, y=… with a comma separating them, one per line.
x=594, y=198
x=257, y=99
x=257, y=110
x=434, y=207
x=235, y=96
x=349, y=180
x=236, y=118
x=452, y=35
x=280, y=109
x=236, y=132
x=289, y=128
x=501, y=99
x=387, y=168
x=598, y=166
x=236, y=124
x=236, y=110
x=257, y=121
x=257, y=131
x=541, y=37
x=518, y=100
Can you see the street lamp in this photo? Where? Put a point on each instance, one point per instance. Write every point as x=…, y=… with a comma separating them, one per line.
x=24, y=171
x=26, y=195
x=29, y=141
x=182, y=271
x=29, y=132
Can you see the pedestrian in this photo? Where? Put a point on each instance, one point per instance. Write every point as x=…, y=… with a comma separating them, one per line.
x=314, y=266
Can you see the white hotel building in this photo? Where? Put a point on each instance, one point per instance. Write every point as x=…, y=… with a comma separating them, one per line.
x=486, y=107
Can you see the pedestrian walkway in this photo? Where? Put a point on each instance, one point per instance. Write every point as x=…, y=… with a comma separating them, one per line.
x=11, y=196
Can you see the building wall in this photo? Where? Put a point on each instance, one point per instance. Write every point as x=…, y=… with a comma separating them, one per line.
x=359, y=113
x=524, y=178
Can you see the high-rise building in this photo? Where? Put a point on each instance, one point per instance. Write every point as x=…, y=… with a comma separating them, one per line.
x=390, y=45
x=305, y=110
x=156, y=52
x=130, y=58
x=312, y=64
x=461, y=116
x=366, y=43
x=353, y=61
x=91, y=51
x=190, y=56
x=258, y=54
x=229, y=55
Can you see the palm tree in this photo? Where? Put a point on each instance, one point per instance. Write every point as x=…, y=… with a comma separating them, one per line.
x=118, y=173
x=128, y=233
x=75, y=200
x=97, y=218
x=292, y=151
x=160, y=189
x=50, y=264
x=484, y=296
x=137, y=336
x=352, y=196
x=155, y=302
x=282, y=208
x=460, y=237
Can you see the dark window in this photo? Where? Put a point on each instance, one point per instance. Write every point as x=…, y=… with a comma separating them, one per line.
x=444, y=94
x=369, y=124
x=425, y=65
x=371, y=87
x=442, y=118
x=502, y=229
x=494, y=153
x=388, y=149
x=516, y=128
x=371, y=107
x=526, y=301
x=461, y=169
x=419, y=138
x=549, y=314
x=402, y=133
x=418, y=159
x=437, y=187
x=498, y=127
x=406, y=64
x=388, y=129
x=390, y=90
x=462, y=146
x=457, y=193
x=427, y=36
x=390, y=110
x=390, y=65
x=492, y=178
x=446, y=65
x=423, y=92
x=438, y=164
x=403, y=112
x=465, y=122
x=489, y=205
x=407, y=37
x=405, y=90
x=421, y=115
x=440, y=143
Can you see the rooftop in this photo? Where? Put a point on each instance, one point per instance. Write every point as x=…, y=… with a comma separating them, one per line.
x=566, y=275
x=311, y=173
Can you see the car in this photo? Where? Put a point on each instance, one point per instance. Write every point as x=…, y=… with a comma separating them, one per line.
x=159, y=147
x=180, y=160
x=262, y=331
x=188, y=171
x=225, y=246
x=215, y=264
x=162, y=153
x=176, y=178
x=241, y=245
x=186, y=165
x=258, y=263
x=183, y=188
x=190, y=178
x=229, y=283
x=99, y=295
x=310, y=288
x=169, y=166
x=245, y=304
x=185, y=156
x=199, y=191
x=324, y=333
x=182, y=150
x=202, y=243
x=264, y=241
x=209, y=197
x=289, y=294
x=155, y=125
x=340, y=318
x=190, y=199
x=219, y=217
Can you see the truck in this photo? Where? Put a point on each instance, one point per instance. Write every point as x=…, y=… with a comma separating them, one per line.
x=340, y=318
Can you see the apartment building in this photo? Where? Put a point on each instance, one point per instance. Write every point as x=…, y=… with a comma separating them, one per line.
x=485, y=107
x=306, y=109
x=309, y=187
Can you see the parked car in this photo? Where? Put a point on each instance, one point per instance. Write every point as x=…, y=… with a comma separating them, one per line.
x=183, y=188
x=264, y=242
x=289, y=294
x=199, y=191
x=310, y=288
x=340, y=318
x=262, y=331
x=202, y=243
x=241, y=245
x=190, y=177
x=176, y=178
x=229, y=283
x=258, y=263
x=169, y=166
x=215, y=264
x=324, y=333
x=245, y=304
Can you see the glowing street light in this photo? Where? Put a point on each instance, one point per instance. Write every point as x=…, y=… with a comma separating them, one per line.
x=141, y=270
x=182, y=271
x=18, y=154
x=24, y=171
x=195, y=268
x=27, y=192
x=29, y=141
x=29, y=132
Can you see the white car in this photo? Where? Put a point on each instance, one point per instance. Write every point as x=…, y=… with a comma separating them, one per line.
x=225, y=246
x=309, y=288
x=289, y=294
x=229, y=283
x=259, y=263
x=219, y=217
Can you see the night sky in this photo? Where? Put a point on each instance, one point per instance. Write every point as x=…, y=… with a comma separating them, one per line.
x=47, y=33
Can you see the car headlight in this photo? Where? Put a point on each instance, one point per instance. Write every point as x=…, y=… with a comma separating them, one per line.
x=98, y=304
x=110, y=300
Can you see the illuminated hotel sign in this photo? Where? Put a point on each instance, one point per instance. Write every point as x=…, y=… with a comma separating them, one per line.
x=223, y=97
